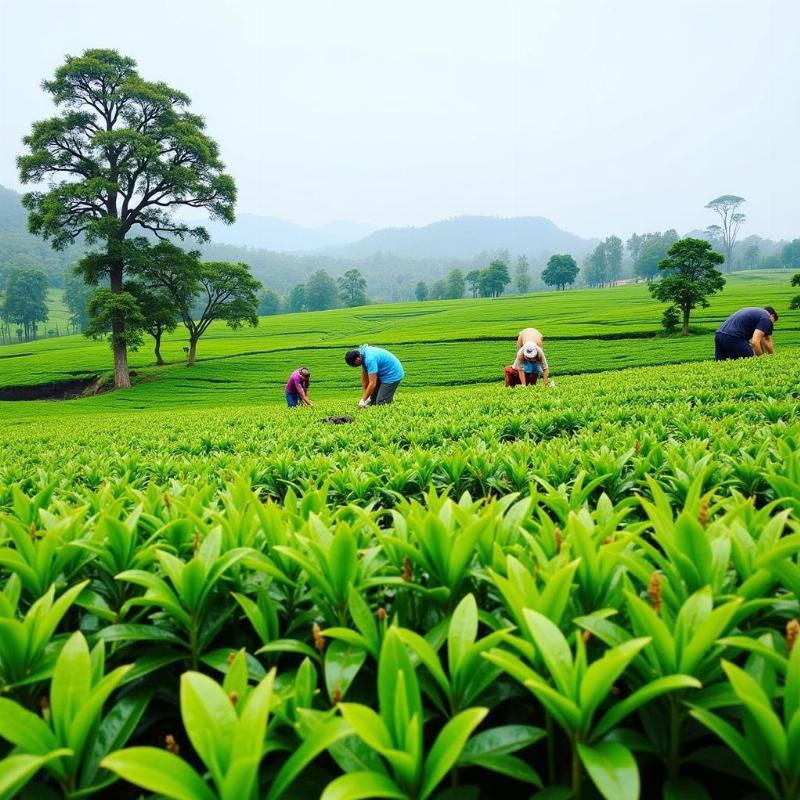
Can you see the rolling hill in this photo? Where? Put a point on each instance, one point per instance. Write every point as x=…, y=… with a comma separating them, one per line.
x=468, y=236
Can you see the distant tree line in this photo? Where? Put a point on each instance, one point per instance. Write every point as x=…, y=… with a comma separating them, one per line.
x=23, y=304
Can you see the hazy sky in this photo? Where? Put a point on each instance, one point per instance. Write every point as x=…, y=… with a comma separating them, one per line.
x=607, y=116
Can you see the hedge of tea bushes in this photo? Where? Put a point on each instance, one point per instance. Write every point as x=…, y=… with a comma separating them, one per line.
x=581, y=592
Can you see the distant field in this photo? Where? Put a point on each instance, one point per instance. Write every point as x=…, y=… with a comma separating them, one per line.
x=441, y=343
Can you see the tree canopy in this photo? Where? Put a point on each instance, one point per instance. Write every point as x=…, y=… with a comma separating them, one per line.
x=456, y=285
x=76, y=297
x=473, y=279
x=727, y=206
x=321, y=292
x=522, y=276
x=594, y=266
x=353, y=288
x=123, y=154
x=653, y=248
x=689, y=276
x=560, y=270
x=202, y=292
x=795, y=301
x=25, y=300
x=494, y=279
x=790, y=253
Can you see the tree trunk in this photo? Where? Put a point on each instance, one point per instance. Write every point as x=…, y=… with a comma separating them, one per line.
x=122, y=378
x=192, y=352
x=159, y=360
x=685, y=321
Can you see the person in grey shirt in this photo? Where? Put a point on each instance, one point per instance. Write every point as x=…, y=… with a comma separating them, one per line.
x=746, y=333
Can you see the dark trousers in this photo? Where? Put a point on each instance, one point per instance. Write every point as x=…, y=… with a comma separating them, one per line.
x=384, y=393
x=730, y=347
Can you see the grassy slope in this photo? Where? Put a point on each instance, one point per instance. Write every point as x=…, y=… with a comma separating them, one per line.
x=441, y=343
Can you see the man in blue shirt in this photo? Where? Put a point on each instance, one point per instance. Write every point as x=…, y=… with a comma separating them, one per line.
x=381, y=373
x=748, y=325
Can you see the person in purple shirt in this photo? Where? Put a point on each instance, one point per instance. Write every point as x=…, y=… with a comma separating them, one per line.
x=746, y=333
x=297, y=388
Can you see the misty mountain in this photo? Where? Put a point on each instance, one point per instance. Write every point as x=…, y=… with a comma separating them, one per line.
x=20, y=249
x=278, y=235
x=465, y=237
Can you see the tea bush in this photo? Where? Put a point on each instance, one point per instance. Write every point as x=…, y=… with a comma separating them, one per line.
x=578, y=592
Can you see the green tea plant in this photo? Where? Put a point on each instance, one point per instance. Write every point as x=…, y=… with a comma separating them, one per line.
x=582, y=592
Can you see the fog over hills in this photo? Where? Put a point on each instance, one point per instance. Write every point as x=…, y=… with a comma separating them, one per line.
x=465, y=237
x=273, y=233
x=461, y=237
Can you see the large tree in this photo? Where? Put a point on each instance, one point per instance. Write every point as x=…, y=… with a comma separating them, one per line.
x=790, y=254
x=594, y=267
x=727, y=206
x=634, y=245
x=202, y=292
x=159, y=313
x=751, y=256
x=560, y=270
x=353, y=288
x=653, y=250
x=473, y=279
x=421, y=292
x=123, y=154
x=494, y=279
x=269, y=303
x=25, y=300
x=456, y=284
x=613, y=258
x=438, y=290
x=689, y=276
x=296, y=301
x=116, y=316
x=522, y=276
x=321, y=291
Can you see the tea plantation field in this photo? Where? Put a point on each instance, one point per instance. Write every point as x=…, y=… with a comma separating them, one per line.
x=580, y=592
x=445, y=342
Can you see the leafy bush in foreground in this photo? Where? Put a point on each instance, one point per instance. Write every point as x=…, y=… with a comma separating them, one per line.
x=581, y=593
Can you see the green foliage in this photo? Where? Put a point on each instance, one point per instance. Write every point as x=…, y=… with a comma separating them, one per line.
x=456, y=285
x=613, y=248
x=790, y=254
x=421, y=291
x=199, y=292
x=727, y=207
x=122, y=154
x=671, y=319
x=116, y=316
x=296, y=301
x=689, y=277
x=795, y=301
x=522, y=278
x=76, y=296
x=24, y=300
x=593, y=593
x=438, y=290
x=651, y=251
x=353, y=288
x=473, y=279
x=321, y=292
x=595, y=267
x=159, y=313
x=494, y=279
x=74, y=735
x=560, y=270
